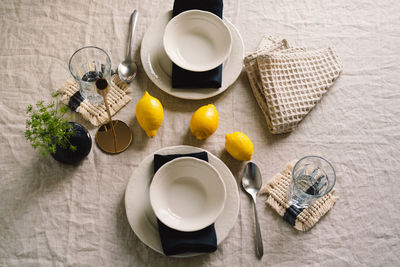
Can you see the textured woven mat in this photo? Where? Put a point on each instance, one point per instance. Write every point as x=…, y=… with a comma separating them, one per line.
x=96, y=114
x=300, y=219
x=289, y=81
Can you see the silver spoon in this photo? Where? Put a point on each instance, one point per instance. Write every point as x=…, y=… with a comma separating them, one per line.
x=127, y=69
x=251, y=183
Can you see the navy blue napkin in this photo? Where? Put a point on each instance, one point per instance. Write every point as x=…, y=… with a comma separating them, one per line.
x=182, y=78
x=176, y=242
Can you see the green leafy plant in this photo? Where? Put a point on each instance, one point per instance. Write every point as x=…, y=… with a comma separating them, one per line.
x=46, y=127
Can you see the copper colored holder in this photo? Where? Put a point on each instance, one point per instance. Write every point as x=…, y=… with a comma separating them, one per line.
x=115, y=136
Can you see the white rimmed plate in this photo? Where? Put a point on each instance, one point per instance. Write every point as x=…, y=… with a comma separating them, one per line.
x=187, y=194
x=141, y=216
x=158, y=66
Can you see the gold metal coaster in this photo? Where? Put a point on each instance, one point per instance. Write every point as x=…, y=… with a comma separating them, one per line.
x=105, y=137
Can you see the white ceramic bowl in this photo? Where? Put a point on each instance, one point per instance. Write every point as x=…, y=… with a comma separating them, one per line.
x=197, y=40
x=187, y=194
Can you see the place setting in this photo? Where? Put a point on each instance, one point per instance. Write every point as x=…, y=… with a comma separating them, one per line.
x=182, y=201
x=192, y=52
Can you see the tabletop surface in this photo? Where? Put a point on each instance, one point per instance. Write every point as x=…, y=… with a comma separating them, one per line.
x=58, y=215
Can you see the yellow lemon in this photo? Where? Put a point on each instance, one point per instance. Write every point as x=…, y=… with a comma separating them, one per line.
x=150, y=114
x=239, y=146
x=204, y=121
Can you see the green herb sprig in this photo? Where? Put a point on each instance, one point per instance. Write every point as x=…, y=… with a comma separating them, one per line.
x=46, y=127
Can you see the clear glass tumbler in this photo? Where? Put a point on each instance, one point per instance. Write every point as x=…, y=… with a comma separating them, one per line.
x=312, y=178
x=87, y=65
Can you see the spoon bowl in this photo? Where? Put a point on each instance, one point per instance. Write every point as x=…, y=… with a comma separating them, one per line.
x=252, y=182
x=127, y=69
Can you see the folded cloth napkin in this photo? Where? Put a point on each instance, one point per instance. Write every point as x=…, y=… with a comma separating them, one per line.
x=97, y=115
x=300, y=218
x=182, y=78
x=289, y=81
x=175, y=242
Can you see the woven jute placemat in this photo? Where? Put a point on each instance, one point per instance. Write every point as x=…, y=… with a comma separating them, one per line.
x=288, y=82
x=95, y=114
x=277, y=198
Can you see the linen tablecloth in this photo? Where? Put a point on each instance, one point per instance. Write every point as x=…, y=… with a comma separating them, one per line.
x=57, y=215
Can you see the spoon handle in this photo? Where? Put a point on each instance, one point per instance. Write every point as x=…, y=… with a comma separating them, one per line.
x=259, y=243
x=132, y=27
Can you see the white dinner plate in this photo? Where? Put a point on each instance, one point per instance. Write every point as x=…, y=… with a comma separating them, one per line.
x=141, y=216
x=158, y=66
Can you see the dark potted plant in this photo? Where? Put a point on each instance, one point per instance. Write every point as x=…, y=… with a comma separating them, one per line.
x=48, y=131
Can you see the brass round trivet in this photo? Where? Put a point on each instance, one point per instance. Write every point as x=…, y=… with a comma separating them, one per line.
x=105, y=138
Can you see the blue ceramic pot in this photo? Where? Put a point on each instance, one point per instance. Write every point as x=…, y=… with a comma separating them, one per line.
x=83, y=142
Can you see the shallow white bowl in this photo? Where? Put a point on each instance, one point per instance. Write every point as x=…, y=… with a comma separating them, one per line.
x=197, y=40
x=187, y=194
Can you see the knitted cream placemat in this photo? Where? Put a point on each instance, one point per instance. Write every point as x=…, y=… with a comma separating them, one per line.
x=289, y=81
x=300, y=219
x=96, y=114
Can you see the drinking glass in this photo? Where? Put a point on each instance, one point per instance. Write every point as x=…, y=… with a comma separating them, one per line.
x=87, y=65
x=312, y=178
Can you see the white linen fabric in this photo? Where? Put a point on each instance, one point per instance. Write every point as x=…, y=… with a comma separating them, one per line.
x=57, y=215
